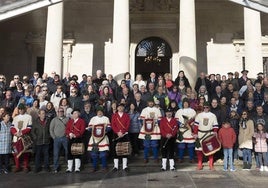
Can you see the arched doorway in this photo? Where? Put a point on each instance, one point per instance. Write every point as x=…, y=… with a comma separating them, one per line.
x=152, y=54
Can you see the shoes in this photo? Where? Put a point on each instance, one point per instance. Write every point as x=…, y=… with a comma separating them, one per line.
x=126, y=169
x=5, y=171
x=77, y=171
x=172, y=169
x=199, y=167
x=163, y=169
x=212, y=168
x=17, y=170
x=68, y=171
x=262, y=168
x=47, y=169
x=233, y=170
x=26, y=170
x=94, y=170
x=225, y=170
x=37, y=170
x=105, y=169
x=191, y=161
x=115, y=169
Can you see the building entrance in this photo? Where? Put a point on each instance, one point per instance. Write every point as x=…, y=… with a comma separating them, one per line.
x=152, y=54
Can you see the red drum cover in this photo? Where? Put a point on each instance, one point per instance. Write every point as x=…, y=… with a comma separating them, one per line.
x=210, y=145
x=149, y=125
x=99, y=131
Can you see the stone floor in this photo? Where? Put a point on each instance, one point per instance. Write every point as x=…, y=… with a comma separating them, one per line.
x=140, y=175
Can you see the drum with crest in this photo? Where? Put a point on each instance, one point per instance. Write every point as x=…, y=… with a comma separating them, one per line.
x=210, y=145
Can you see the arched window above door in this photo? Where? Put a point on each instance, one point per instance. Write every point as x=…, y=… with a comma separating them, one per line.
x=153, y=46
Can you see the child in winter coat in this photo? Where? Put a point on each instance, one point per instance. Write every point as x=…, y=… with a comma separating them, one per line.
x=227, y=138
x=259, y=139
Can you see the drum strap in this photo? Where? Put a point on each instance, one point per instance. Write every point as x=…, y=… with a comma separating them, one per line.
x=121, y=124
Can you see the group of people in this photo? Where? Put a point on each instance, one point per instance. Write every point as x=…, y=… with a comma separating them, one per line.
x=219, y=117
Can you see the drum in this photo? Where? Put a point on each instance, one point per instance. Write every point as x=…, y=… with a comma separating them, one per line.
x=77, y=149
x=123, y=148
x=23, y=145
x=210, y=145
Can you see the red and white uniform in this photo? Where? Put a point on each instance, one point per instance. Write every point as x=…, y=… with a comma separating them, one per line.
x=187, y=133
x=205, y=122
x=23, y=120
x=96, y=123
x=151, y=113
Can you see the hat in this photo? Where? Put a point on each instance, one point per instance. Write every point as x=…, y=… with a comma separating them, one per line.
x=261, y=121
x=244, y=71
x=21, y=106
x=169, y=110
x=99, y=108
x=206, y=104
x=121, y=104
x=230, y=73
x=75, y=110
x=150, y=99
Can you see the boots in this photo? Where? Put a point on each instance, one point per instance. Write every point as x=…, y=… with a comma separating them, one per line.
x=200, y=160
x=164, y=164
x=125, y=168
x=116, y=161
x=245, y=165
x=77, y=165
x=171, y=164
x=249, y=166
x=211, y=165
x=70, y=166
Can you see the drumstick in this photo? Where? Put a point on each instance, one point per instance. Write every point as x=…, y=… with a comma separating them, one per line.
x=120, y=137
x=164, y=146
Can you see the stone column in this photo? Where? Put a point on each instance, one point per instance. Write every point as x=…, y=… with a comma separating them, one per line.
x=187, y=45
x=54, y=37
x=253, y=43
x=120, y=38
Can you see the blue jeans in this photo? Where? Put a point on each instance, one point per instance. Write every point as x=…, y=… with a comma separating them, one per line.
x=228, y=156
x=58, y=142
x=247, y=156
x=41, y=149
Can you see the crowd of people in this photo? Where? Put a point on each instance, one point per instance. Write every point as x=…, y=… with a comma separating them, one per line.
x=219, y=117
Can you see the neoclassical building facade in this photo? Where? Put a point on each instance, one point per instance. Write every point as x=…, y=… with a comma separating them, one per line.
x=136, y=36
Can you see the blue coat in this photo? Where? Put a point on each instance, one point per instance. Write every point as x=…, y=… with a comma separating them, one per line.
x=5, y=138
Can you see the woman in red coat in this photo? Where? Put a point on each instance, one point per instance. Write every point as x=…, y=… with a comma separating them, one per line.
x=75, y=129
